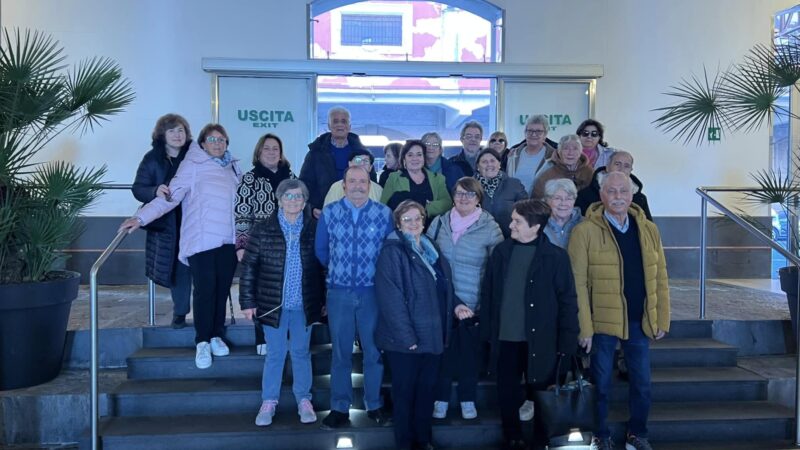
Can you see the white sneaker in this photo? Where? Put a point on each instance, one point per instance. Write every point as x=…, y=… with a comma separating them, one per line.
x=264, y=417
x=261, y=349
x=526, y=411
x=439, y=410
x=202, y=359
x=468, y=410
x=219, y=347
x=306, y=411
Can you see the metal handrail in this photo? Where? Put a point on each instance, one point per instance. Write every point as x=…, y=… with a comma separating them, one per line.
x=705, y=200
x=93, y=313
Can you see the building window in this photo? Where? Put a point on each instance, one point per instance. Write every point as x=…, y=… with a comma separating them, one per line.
x=406, y=30
x=372, y=29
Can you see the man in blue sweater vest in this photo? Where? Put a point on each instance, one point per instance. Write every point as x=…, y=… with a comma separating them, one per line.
x=349, y=237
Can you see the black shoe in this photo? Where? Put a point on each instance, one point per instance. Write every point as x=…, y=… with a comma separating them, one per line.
x=514, y=444
x=179, y=321
x=336, y=419
x=380, y=417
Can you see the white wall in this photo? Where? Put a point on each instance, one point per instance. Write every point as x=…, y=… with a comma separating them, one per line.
x=644, y=45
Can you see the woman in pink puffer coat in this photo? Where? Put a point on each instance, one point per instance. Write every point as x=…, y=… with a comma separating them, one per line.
x=205, y=185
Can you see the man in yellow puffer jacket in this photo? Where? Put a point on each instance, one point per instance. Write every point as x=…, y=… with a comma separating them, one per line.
x=623, y=296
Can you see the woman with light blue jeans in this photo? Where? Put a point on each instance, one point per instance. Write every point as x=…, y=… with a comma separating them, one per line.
x=282, y=287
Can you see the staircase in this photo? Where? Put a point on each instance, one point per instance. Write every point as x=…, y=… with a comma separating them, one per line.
x=699, y=396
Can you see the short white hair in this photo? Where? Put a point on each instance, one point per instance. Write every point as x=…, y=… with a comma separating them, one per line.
x=338, y=110
x=560, y=184
x=541, y=119
x=603, y=177
x=566, y=139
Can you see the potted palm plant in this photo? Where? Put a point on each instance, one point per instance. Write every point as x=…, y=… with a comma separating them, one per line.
x=746, y=97
x=40, y=202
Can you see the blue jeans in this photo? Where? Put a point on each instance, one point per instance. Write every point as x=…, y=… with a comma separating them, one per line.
x=637, y=357
x=297, y=342
x=181, y=289
x=350, y=310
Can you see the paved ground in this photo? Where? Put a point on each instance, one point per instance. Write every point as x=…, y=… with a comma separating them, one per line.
x=126, y=306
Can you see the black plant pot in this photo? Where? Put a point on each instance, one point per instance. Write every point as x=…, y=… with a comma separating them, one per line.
x=788, y=277
x=33, y=327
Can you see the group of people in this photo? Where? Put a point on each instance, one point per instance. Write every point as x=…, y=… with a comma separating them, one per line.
x=531, y=252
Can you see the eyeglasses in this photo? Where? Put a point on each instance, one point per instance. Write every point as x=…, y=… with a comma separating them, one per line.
x=289, y=196
x=359, y=160
x=586, y=133
x=214, y=140
x=409, y=219
x=472, y=137
x=534, y=132
x=432, y=144
x=465, y=194
x=493, y=140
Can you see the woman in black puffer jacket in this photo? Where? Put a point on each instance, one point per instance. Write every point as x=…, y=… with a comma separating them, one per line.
x=282, y=286
x=171, y=139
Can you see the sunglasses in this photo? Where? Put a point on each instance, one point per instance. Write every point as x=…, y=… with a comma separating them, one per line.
x=493, y=140
x=590, y=133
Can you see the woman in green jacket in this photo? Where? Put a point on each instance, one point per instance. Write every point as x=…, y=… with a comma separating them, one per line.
x=414, y=182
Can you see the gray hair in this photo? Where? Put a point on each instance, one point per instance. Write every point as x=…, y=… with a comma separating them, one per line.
x=471, y=124
x=570, y=138
x=290, y=184
x=618, y=153
x=603, y=177
x=338, y=110
x=560, y=184
x=432, y=134
x=541, y=119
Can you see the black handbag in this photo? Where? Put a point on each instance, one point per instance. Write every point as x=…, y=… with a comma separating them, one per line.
x=568, y=406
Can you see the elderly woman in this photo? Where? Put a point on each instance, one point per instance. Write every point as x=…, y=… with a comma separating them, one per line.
x=500, y=191
x=560, y=195
x=416, y=305
x=171, y=138
x=437, y=163
x=466, y=236
x=415, y=182
x=594, y=147
x=498, y=141
x=205, y=187
x=567, y=162
x=282, y=287
x=256, y=199
x=529, y=311
x=391, y=159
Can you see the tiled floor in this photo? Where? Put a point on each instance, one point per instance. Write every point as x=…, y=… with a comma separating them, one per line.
x=126, y=306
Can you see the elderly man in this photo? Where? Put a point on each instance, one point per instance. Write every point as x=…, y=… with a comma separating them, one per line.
x=471, y=135
x=623, y=296
x=620, y=161
x=359, y=158
x=349, y=237
x=328, y=157
x=527, y=158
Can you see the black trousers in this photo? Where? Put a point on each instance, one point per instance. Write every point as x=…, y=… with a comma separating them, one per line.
x=414, y=379
x=461, y=361
x=512, y=362
x=212, y=274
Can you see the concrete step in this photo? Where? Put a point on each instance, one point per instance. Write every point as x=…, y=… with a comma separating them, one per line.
x=669, y=422
x=243, y=362
x=178, y=362
x=691, y=352
x=242, y=395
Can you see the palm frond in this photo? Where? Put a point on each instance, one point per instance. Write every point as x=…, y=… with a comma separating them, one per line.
x=775, y=187
x=700, y=107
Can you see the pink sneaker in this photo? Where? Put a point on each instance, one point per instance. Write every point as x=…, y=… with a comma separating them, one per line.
x=264, y=417
x=306, y=411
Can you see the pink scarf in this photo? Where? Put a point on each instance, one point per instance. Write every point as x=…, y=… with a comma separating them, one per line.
x=592, y=154
x=460, y=224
